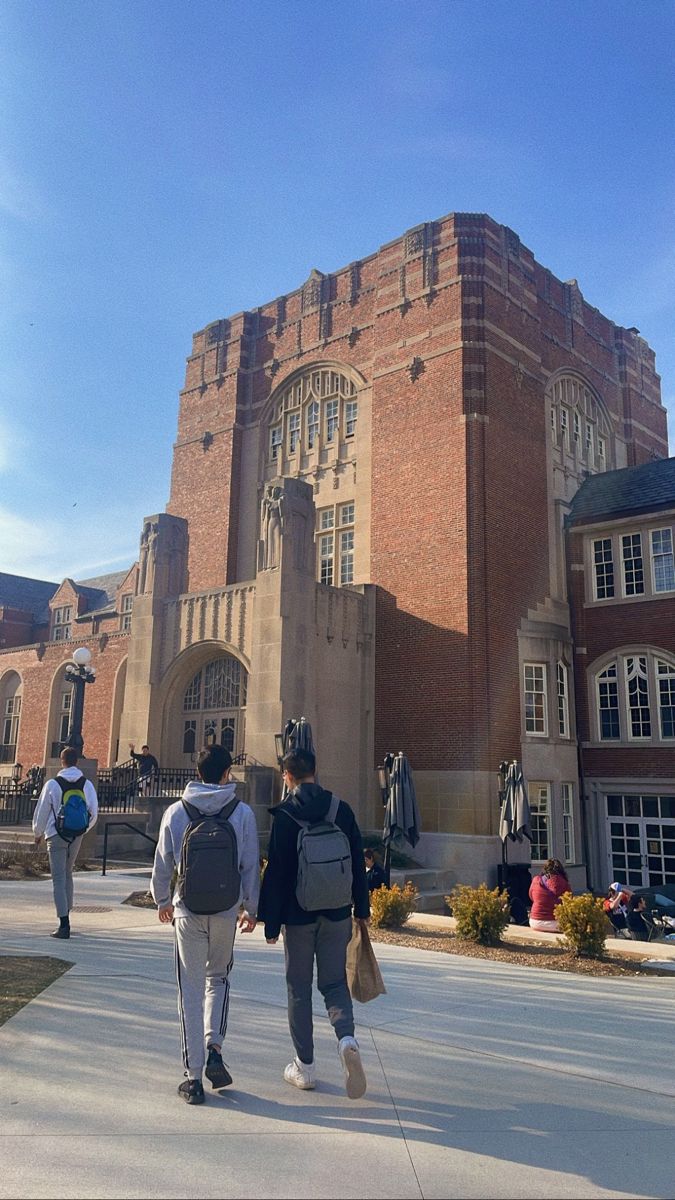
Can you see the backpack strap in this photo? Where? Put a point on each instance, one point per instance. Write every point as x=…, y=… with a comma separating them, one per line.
x=330, y=816
x=195, y=814
x=332, y=809
x=67, y=784
x=226, y=812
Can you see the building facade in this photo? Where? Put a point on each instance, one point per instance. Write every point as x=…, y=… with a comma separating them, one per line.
x=366, y=527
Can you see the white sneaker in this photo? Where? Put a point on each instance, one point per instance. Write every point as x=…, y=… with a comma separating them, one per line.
x=355, y=1077
x=301, y=1075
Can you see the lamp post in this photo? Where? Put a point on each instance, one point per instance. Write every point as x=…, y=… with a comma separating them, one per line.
x=79, y=673
x=16, y=775
x=384, y=780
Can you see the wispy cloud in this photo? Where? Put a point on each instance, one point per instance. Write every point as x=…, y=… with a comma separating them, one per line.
x=53, y=549
x=19, y=196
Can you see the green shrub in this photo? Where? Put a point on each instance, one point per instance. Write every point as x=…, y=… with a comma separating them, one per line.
x=390, y=907
x=583, y=921
x=482, y=915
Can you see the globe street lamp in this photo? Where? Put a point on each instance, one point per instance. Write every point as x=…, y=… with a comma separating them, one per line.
x=79, y=673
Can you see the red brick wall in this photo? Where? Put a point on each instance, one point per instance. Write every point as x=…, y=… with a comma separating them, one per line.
x=37, y=667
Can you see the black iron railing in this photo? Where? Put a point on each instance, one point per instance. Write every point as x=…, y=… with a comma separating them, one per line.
x=120, y=787
x=18, y=800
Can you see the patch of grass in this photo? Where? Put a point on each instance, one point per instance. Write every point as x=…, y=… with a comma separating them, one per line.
x=23, y=977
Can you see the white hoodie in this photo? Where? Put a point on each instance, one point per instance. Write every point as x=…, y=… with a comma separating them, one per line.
x=209, y=798
x=44, y=817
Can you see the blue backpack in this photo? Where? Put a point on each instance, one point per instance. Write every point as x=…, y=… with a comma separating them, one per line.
x=73, y=817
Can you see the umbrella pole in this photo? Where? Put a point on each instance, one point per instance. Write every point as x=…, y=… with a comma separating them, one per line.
x=387, y=865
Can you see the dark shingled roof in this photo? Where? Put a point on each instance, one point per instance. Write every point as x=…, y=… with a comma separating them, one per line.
x=27, y=595
x=100, y=591
x=633, y=490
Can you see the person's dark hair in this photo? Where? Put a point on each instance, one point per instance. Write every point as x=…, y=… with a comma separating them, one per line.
x=212, y=763
x=69, y=756
x=145, y=747
x=301, y=764
x=634, y=903
x=367, y=853
x=554, y=867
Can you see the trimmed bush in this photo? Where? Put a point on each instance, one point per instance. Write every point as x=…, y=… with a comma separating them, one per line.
x=482, y=915
x=390, y=907
x=584, y=924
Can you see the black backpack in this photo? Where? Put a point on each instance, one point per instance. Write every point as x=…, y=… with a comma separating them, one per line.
x=208, y=872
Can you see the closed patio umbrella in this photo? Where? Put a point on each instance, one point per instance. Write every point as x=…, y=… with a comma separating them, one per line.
x=514, y=818
x=297, y=736
x=401, y=815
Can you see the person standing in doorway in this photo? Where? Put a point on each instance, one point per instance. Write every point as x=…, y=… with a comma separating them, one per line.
x=211, y=838
x=68, y=793
x=321, y=932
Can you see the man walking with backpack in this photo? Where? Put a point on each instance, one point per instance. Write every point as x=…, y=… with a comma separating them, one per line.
x=211, y=837
x=315, y=873
x=67, y=808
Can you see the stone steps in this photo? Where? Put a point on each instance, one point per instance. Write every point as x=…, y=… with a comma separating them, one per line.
x=432, y=886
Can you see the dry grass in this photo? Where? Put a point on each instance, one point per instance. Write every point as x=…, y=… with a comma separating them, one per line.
x=521, y=954
x=25, y=860
x=22, y=977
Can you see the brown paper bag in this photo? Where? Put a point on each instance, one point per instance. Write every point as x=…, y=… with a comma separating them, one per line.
x=363, y=974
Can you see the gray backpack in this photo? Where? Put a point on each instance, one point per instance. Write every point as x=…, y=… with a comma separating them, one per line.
x=324, y=863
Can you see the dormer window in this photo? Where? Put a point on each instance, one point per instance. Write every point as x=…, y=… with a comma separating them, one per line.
x=61, y=623
x=127, y=605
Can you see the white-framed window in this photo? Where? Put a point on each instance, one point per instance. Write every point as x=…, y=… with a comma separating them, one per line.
x=554, y=428
x=61, y=623
x=637, y=691
x=589, y=441
x=275, y=442
x=643, y=708
x=631, y=559
x=539, y=795
x=336, y=549
x=563, y=700
x=536, y=715
x=293, y=432
x=663, y=567
x=603, y=569
x=332, y=419
x=10, y=723
x=564, y=426
x=326, y=559
x=65, y=710
x=601, y=448
x=567, y=800
x=351, y=413
x=312, y=424
x=609, y=724
x=665, y=684
x=346, y=557
x=127, y=606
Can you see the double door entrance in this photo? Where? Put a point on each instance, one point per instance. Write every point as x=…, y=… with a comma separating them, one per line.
x=641, y=839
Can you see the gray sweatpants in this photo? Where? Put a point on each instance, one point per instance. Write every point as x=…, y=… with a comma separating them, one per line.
x=62, y=857
x=204, y=956
x=326, y=941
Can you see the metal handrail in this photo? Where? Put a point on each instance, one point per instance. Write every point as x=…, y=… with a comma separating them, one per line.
x=117, y=825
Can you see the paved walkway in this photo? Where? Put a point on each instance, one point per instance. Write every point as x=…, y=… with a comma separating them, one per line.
x=485, y=1080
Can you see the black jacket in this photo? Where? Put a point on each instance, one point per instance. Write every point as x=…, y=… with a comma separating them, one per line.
x=278, y=905
x=147, y=763
x=375, y=877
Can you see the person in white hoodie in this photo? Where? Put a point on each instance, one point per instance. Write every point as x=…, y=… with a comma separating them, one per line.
x=62, y=852
x=204, y=940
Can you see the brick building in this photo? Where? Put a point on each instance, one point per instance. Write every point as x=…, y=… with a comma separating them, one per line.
x=365, y=526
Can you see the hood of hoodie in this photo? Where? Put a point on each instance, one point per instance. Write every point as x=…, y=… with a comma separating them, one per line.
x=308, y=802
x=209, y=798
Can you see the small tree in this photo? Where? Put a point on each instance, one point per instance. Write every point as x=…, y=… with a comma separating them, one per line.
x=583, y=922
x=390, y=907
x=481, y=914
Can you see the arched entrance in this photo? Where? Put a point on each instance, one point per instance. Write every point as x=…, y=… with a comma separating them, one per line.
x=206, y=703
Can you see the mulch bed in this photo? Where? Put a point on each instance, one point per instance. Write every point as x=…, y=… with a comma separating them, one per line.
x=140, y=900
x=523, y=954
x=23, y=977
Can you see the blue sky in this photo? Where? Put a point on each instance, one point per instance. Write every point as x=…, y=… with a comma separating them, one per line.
x=165, y=164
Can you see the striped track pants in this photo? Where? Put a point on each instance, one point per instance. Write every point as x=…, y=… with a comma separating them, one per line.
x=204, y=956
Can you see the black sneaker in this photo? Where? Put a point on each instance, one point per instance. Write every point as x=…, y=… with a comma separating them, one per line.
x=63, y=931
x=191, y=1091
x=216, y=1070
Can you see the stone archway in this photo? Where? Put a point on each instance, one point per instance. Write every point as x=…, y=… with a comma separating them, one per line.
x=205, y=703
x=11, y=688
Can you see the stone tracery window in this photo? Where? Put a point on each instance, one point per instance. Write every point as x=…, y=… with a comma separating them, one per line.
x=574, y=407
x=314, y=412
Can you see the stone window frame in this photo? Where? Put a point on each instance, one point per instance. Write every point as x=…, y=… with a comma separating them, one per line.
x=62, y=617
x=577, y=408
x=567, y=810
x=11, y=711
x=335, y=559
x=126, y=609
x=563, y=699
x=540, y=818
x=334, y=388
x=543, y=692
x=654, y=657
x=614, y=536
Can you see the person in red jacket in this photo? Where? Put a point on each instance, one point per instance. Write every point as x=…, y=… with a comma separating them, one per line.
x=545, y=892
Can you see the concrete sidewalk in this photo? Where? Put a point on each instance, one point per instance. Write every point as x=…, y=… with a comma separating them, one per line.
x=484, y=1080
